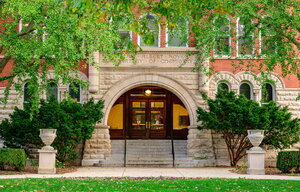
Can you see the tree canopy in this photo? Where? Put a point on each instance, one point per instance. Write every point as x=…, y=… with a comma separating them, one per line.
x=62, y=35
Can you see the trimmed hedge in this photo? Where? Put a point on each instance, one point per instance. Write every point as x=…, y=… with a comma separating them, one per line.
x=14, y=158
x=288, y=160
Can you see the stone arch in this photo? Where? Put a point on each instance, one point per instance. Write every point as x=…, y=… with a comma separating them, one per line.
x=247, y=77
x=123, y=86
x=278, y=82
x=222, y=76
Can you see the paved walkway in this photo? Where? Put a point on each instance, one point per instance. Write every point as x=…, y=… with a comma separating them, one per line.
x=124, y=172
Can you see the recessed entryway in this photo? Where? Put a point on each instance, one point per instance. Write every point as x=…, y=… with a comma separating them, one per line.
x=148, y=112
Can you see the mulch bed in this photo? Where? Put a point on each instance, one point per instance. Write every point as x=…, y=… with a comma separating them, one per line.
x=269, y=171
x=34, y=170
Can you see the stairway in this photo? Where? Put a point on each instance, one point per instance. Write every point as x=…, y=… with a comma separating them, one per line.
x=148, y=153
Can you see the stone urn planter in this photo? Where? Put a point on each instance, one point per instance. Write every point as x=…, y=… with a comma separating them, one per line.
x=48, y=136
x=255, y=137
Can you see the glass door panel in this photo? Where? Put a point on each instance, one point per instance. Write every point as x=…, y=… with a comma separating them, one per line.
x=157, y=119
x=138, y=119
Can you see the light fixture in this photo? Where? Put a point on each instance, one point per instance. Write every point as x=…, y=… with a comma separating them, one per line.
x=148, y=92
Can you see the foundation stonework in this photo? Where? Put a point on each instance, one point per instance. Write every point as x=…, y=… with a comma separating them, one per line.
x=200, y=147
x=164, y=67
x=98, y=148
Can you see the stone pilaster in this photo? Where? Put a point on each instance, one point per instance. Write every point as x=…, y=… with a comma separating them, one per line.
x=94, y=75
x=98, y=148
x=203, y=77
x=200, y=146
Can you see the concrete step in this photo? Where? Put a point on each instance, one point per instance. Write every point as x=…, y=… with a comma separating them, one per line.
x=149, y=153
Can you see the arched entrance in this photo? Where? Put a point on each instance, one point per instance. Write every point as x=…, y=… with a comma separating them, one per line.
x=148, y=112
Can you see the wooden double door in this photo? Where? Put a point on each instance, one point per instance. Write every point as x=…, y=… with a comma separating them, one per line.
x=160, y=115
x=147, y=119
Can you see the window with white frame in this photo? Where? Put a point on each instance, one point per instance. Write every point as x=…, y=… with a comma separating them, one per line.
x=222, y=39
x=267, y=42
x=75, y=92
x=245, y=38
x=246, y=90
x=267, y=93
x=178, y=34
x=52, y=91
x=151, y=35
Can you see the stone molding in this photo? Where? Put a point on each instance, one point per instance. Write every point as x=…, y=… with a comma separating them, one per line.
x=125, y=85
x=155, y=58
x=234, y=81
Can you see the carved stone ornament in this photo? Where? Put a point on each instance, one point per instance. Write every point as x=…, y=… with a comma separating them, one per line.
x=48, y=136
x=255, y=137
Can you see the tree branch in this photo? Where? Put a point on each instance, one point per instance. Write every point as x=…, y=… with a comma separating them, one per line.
x=3, y=63
x=6, y=77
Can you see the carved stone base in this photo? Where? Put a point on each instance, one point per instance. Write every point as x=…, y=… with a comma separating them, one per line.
x=256, y=162
x=47, y=161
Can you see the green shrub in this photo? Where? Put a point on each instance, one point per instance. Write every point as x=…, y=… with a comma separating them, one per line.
x=288, y=160
x=14, y=158
x=75, y=122
x=232, y=115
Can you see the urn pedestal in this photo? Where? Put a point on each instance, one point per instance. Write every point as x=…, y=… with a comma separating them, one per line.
x=47, y=155
x=256, y=155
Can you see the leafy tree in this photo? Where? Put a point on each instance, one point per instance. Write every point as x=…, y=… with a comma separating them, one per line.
x=60, y=34
x=233, y=115
x=74, y=122
x=283, y=130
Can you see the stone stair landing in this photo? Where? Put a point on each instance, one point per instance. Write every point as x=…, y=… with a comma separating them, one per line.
x=148, y=153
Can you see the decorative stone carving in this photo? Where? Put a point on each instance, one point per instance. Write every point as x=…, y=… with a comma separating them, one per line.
x=47, y=136
x=157, y=57
x=256, y=155
x=47, y=154
x=255, y=137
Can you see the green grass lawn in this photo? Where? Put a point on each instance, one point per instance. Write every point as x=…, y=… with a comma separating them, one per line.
x=147, y=185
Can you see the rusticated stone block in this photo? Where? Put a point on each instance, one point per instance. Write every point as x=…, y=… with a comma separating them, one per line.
x=95, y=146
x=97, y=156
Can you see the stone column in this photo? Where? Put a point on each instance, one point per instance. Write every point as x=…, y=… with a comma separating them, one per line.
x=200, y=146
x=98, y=148
x=94, y=75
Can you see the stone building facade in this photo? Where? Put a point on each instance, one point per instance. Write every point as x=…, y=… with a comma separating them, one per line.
x=168, y=69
